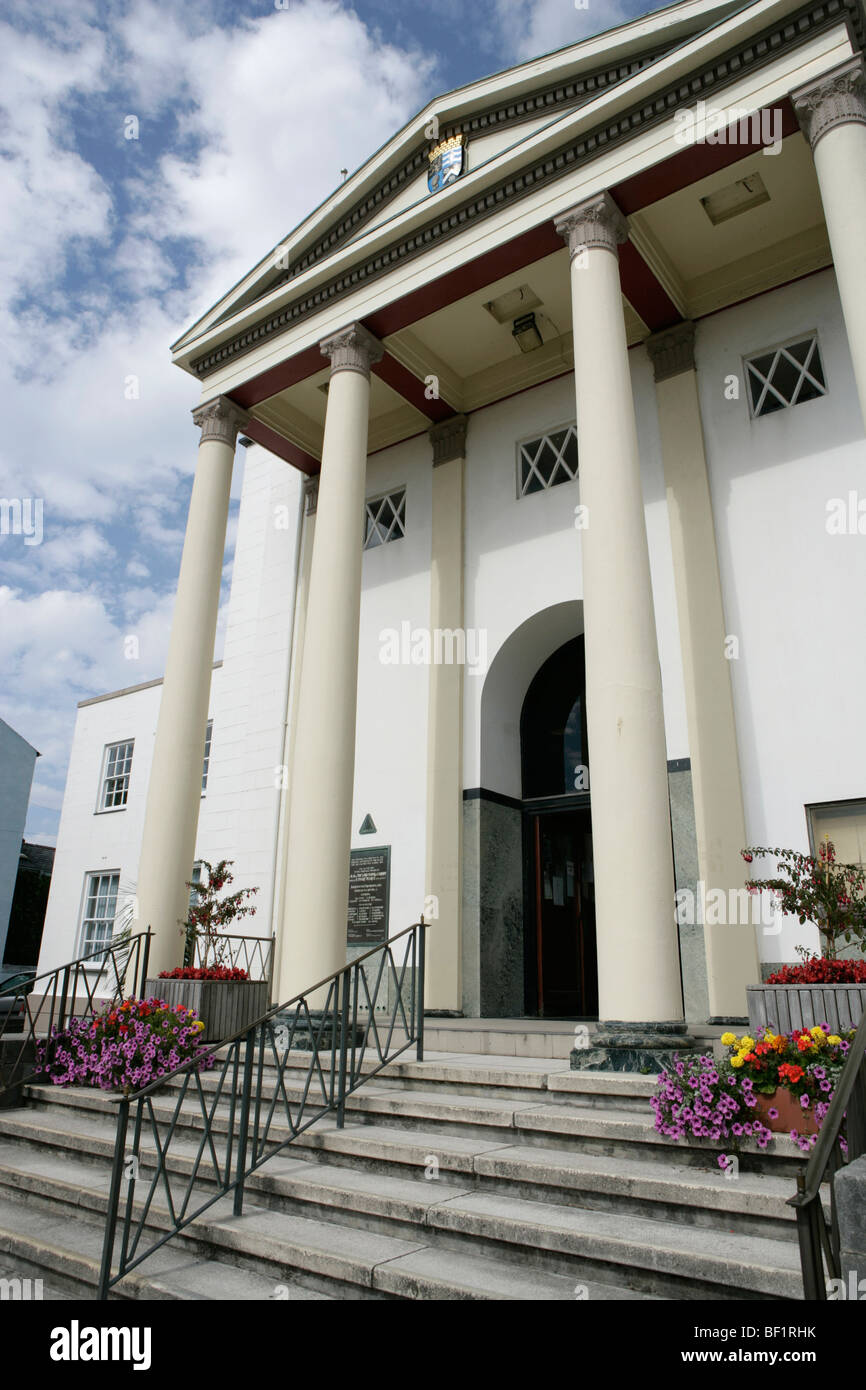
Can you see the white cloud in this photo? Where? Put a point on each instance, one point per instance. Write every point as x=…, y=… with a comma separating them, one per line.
x=63, y=557
x=271, y=148
x=49, y=194
x=529, y=28
x=105, y=258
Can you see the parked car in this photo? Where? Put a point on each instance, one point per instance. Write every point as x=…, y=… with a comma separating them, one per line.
x=12, y=992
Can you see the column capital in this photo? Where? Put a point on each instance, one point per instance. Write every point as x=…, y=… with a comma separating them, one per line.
x=596, y=223
x=672, y=351
x=311, y=495
x=836, y=98
x=353, y=349
x=448, y=438
x=220, y=420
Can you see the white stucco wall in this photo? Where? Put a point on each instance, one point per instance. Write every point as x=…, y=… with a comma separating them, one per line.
x=17, y=761
x=238, y=819
x=792, y=592
x=391, y=738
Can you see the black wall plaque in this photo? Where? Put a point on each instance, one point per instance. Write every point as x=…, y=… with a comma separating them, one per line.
x=369, y=889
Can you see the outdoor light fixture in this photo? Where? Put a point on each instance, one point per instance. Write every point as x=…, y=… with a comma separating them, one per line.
x=526, y=333
x=513, y=303
x=735, y=198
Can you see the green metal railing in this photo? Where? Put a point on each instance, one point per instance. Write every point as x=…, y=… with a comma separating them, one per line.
x=254, y=954
x=193, y=1137
x=818, y=1237
x=48, y=1001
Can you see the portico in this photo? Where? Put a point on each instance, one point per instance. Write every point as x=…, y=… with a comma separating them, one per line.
x=388, y=322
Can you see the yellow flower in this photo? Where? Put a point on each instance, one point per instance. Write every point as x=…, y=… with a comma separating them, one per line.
x=817, y=1033
x=770, y=1039
x=834, y=1039
x=736, y=1061
x=746, y=1044
x=729, y=1039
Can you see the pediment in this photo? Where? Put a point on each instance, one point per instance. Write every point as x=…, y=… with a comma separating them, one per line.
x=493, y=116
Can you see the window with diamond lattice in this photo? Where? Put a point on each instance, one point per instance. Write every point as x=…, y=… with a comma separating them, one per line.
x=544, y=462
x=785, y=376
x=385, y=519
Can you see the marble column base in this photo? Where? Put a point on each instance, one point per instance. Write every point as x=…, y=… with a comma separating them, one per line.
x=633, y=1047
x=317, y=1035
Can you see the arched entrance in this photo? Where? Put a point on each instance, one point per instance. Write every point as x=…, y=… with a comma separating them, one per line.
x=560, y=969
x=524, y=754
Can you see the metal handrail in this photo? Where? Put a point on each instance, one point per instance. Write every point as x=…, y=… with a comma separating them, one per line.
x=818, y=1238
x=69, y=990
x=235, y=1126
x=248, y=948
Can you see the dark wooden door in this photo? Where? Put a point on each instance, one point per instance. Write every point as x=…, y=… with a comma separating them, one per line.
x=565, y=915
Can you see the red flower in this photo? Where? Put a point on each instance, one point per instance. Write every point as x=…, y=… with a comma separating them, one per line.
x=821, y=970
x=790, y=1072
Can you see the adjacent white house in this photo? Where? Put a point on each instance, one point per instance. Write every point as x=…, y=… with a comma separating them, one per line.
x=552, y=534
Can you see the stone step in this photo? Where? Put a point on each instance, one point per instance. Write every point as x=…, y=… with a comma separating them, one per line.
x=621, y=1253
x=42, y=1242
x=251, y=1256
x=536, y=1172
x=503, y=1037
x=676, y=1192
x=508, y=1078
x=369, y=1176
x=585, y=1129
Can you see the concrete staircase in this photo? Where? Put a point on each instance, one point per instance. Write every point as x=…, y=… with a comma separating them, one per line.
x=466, y=1176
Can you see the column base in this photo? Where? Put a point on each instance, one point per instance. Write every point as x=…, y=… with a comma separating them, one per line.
x=633, y=1047
x=317, y=1035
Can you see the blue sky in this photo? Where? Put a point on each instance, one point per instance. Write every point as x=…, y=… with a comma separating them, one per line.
x=246, y=112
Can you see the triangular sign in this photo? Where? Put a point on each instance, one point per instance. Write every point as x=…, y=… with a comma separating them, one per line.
x=367, y=826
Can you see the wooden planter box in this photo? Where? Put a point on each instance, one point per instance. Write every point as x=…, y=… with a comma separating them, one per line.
x=224, y=1006
x=783, y=1008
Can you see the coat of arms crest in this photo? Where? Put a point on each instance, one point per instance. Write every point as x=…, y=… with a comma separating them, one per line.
x=447, y=161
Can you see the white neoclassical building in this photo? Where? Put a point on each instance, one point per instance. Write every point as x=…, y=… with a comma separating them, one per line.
x=551, y=538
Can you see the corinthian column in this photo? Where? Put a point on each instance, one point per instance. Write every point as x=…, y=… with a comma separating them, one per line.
x=640, y=999
x=832, y=112
x=320, y=815
x=174, y=788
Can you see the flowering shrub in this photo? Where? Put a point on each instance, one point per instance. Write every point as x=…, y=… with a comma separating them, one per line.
x=131, y=1045
x=821, y=970
x=701, y=1100
x=209, y=972
x=806, y=1062
x=210, y=916
x=823, y=891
